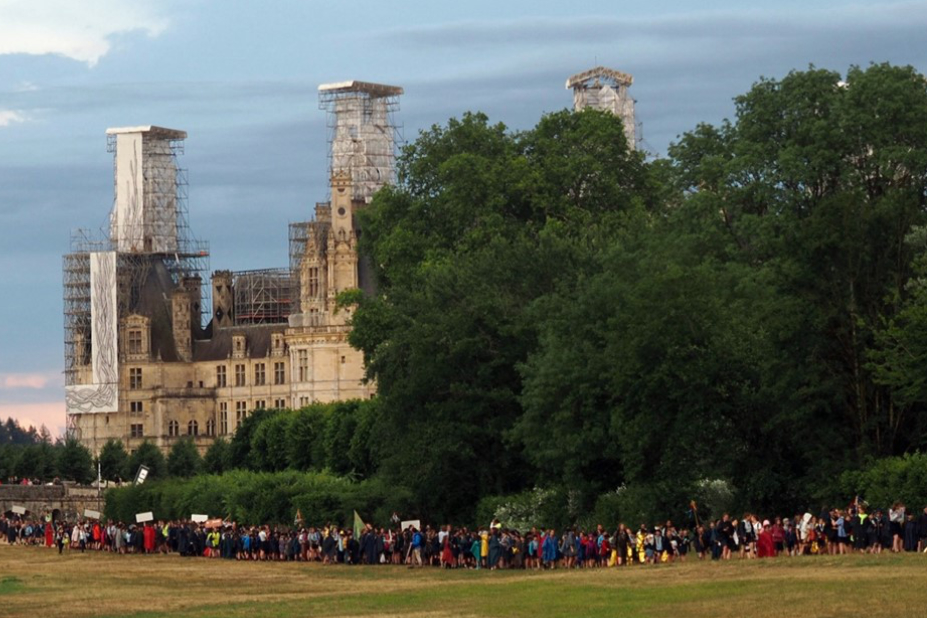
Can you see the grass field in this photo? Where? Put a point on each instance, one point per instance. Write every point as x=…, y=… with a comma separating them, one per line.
x=39, y=582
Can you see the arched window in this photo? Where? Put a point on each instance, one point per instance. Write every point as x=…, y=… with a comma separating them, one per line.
x=193, y=428
x=173, y=429
x=211, y=427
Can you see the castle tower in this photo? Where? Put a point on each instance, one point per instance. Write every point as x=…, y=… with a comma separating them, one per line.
x=222, y=298
x=343, y=252
x=363, y=134
x=144, y=216
x=606, y=90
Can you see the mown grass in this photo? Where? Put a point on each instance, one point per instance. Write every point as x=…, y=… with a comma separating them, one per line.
x=9, y=584
x=36, y=582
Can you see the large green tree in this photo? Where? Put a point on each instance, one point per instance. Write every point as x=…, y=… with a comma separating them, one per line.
x=482, y=223
x=112, y=459
x=149, y=455
x=184, y=459
x=75, y=463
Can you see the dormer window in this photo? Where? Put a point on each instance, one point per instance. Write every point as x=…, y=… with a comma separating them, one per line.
x=135, y=341
x=277, y=346
x=135, y=337
x=238, y=346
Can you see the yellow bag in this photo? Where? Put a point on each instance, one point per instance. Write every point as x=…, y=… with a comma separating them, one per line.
x=613, y=558
x=664, y=557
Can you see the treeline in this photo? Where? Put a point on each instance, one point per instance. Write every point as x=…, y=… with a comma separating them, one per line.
x=555, y=311
x=563, y=324
x=11, y=432
x=44, y=461
x=331, y=437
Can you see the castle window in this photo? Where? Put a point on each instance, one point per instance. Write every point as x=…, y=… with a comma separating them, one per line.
x=239, y=375
x=260, y=404
x=279, y=403
x=136, y=431
x=135, y=341
x=173, y=429
x=259, y=377
x=313, y=281
x=220, y=376
x=303, y=364
x=135, y=377
x=279, y=373
x=223, y=417
x=135, y=408
x=241, y=409
x=193, y=428
x=303, y=402
x=211, y=427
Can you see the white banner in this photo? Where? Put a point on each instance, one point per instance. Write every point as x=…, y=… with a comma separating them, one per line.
x=89, y=514
x=141, y=518
x=18, y=510
x=101, y=395
x=412, y=522
x=199, y=519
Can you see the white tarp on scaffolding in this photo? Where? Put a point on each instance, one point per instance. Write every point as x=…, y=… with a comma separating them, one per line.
x=128, y=222
x=102, y=394
x=144, y=217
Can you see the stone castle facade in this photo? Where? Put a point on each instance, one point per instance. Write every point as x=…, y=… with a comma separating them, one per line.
x=141, y=363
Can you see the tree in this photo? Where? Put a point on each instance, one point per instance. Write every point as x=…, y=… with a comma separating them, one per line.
x=218, y=458
x=37, y=461
x=113, y=459
x=270, y=434
x=305, y=449
x=149, y=455
x=817, y=182
x=9, y=461
x=241, y=441
x=75, y=463
x=184, y=459
x=482, y=224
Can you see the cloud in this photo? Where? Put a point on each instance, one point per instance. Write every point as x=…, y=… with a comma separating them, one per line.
x=680, y=29
x=77, y=30
x=10, y=116
x=35, y=381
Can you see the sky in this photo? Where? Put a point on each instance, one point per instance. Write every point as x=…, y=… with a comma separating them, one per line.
x=241, y=78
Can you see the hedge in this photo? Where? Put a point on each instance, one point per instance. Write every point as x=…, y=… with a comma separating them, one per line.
x=253, y=498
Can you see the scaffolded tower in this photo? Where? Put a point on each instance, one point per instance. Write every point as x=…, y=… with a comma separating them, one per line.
x=104, y=273
x=606, y=90
x=262, y=296
x=362, y=132
x=362, y=141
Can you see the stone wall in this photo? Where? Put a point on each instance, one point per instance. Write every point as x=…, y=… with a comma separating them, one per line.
x=62, y=500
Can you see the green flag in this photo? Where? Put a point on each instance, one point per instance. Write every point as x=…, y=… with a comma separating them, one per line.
x=358, y=526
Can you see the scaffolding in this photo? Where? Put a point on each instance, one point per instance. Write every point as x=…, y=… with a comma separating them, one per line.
x=299, y=237
x=148, y=228
x=606, y=90
x=149, y=221
x=262, y=296
x=362, y=132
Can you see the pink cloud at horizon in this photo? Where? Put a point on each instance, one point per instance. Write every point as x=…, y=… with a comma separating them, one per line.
x=50, y=414
x=35, y=381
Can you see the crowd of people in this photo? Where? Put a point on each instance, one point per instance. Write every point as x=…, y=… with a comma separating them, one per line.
x=494, y=546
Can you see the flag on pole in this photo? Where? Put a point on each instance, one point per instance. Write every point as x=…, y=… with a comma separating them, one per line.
x=358, y=526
